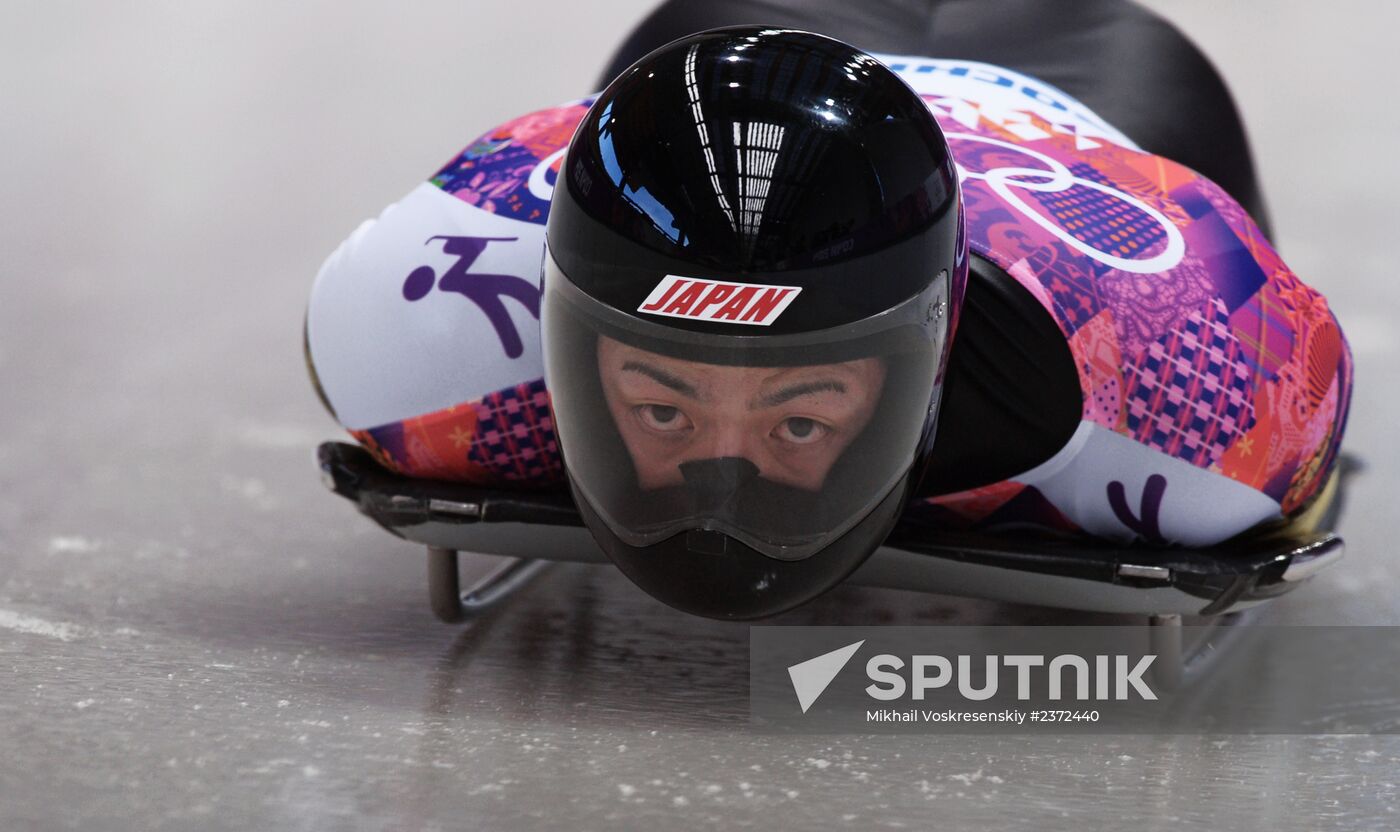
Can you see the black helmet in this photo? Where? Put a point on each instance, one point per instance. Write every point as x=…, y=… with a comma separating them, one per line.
x=751, y=273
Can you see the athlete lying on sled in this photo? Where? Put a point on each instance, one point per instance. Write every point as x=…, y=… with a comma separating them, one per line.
x=773, y=270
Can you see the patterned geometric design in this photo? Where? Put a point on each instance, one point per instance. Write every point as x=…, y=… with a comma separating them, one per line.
x=1224, y=360
x=1070, y=281
x=1095, y=350
x=1146, y=307
x=1265, y=332
x=493, y=172
x=515, y=435
x=431, y=446
x=506, y=437
x=1236, y=274
x=1189, y=396
x=1096, y=218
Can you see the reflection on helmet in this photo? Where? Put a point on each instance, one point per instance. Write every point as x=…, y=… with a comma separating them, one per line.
x=746, y=314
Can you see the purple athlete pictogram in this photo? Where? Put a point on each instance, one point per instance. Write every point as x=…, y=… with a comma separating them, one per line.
x=1145, y=524
x=485, y=290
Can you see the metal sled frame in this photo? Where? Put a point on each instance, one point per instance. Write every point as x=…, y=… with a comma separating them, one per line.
x=531, y=528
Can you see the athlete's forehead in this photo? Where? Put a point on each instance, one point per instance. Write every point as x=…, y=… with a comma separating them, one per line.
x=696, y=378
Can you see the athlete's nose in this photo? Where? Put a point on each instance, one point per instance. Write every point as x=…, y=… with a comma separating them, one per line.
x=720, y=476
x=730, y=439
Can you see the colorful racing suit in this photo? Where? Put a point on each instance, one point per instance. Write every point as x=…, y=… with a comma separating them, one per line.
x=1214, y=383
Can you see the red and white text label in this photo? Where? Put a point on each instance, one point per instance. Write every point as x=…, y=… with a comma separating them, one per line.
x=756, y=304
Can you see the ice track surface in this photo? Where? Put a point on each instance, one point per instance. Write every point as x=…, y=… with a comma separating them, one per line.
x=194, y=634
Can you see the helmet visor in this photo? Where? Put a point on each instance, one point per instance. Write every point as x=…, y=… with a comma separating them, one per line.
x=781, y=442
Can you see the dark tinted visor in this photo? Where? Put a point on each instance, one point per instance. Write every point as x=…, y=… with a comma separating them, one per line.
x=781, y=442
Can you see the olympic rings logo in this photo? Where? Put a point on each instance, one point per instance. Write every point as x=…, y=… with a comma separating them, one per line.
x=1055, y=178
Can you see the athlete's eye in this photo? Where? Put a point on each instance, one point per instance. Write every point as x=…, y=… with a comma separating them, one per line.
x=800, y=430
x=662, y=417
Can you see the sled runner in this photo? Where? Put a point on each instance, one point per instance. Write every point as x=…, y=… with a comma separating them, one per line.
x=532, y=528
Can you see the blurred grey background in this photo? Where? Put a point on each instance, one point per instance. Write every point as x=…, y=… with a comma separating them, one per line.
x=193, y=634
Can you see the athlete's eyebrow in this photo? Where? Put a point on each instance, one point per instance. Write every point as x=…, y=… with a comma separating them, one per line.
x=662, y=377
x=793, y=391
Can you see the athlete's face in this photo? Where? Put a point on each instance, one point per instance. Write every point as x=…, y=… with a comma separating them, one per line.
x=791, y=422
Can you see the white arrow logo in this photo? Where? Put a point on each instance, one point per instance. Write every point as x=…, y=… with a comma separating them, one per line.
x=811, y=677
